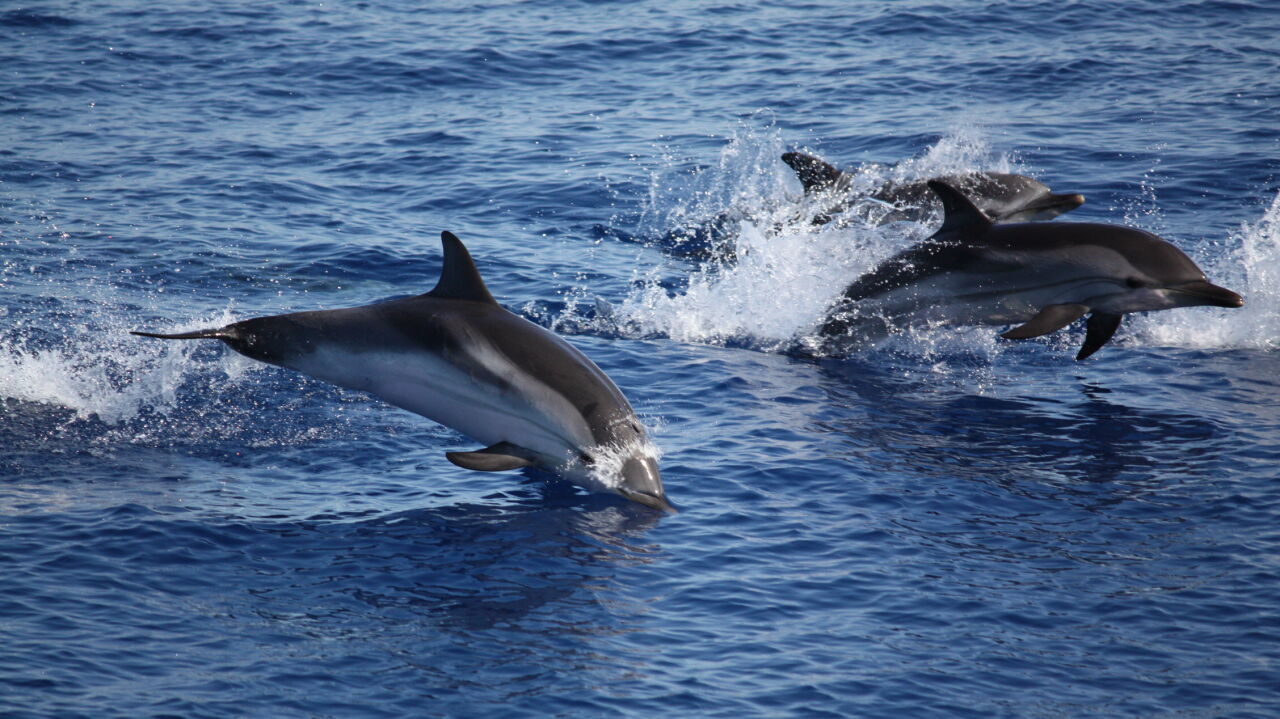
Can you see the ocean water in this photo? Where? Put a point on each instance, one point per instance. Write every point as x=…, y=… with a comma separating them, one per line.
x=943, y=524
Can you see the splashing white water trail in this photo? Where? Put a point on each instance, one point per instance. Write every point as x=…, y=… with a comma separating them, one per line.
x=788, y=271
x=110, y=375
x=1251, y=268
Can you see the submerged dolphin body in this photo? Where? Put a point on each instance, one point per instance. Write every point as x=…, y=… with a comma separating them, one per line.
x=454, y=355
x=1041, y=276
x=1003, y=197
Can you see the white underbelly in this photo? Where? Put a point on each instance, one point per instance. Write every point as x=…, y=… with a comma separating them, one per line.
x=524, y=412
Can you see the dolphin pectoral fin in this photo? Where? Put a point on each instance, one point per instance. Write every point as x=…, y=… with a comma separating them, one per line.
x=1050, y=319
x=1100, y=328
x=498, y=458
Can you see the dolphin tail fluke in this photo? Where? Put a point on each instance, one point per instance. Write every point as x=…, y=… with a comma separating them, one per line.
x=209, y=334
x=498, y=458
x=1050, y=319
x=815, y=175
x=1098, y=331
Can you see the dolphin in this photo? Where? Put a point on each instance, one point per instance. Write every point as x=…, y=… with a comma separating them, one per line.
x=455, y=356
x=1003, y=197
x=1040, y=276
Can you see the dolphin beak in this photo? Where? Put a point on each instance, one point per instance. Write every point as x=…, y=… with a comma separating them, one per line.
x=642, y=483
x=1056, y=204
x=1070, y=202
x=1207, y=293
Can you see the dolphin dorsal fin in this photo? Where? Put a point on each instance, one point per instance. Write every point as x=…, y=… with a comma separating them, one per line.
x=459, y=278
x=814, y=174
x=959, y=212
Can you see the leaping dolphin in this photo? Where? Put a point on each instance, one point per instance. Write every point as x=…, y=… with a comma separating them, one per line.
x=454, y=355
x=1003, y=197
x=1041, y=276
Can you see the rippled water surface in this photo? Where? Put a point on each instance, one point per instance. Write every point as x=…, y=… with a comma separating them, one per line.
x=943, y=524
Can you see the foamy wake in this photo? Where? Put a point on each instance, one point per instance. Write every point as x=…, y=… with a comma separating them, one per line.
x=109, y=375
x=788, y=272
x=1248, y=262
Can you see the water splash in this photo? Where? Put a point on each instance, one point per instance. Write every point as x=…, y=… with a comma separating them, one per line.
x=1247, y=262
x=748, y=180
x=605, y=470
x=963, y=149
x=786, y=271
x=105, y=374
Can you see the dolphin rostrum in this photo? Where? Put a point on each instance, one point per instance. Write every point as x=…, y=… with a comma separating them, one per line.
x=1040, y=276
x=454, y=355
x=1003, y=197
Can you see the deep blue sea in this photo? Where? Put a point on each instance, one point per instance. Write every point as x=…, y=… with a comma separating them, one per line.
x=943, y=524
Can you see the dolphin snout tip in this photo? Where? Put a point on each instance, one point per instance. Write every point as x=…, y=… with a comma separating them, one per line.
x=1231, y=299
x=1061, y=203
x=1207, y=293
x=658, y=502
x=642, y=483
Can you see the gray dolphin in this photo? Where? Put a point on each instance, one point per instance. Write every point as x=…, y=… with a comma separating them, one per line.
x=1002, y=196
x=454, y=355
x=1041, y=276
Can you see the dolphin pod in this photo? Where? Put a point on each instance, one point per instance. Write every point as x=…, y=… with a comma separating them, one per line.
x=454, y=355
x=1040, y=276
x=1003, y=197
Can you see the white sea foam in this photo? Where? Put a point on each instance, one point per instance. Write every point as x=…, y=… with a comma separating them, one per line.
x=605, y=471
x=108, y=374
x=1248, y=262
x=788, y=272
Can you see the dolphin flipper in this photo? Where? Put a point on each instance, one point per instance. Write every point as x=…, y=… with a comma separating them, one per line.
x=1050, y=319
x=498, y=458
x=1100, y=328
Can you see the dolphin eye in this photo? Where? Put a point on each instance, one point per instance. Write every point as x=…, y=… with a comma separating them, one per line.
x=1135, y=282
